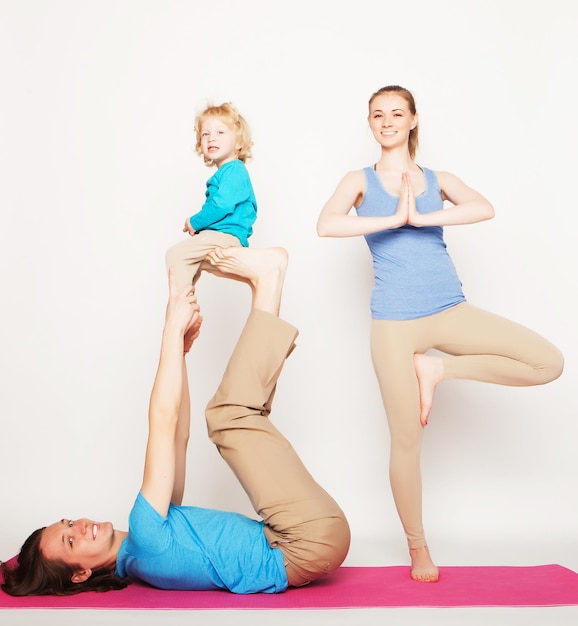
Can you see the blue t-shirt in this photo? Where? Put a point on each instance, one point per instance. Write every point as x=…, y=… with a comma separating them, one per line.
x=199, y=549
x=414, y=275
x=230, y=205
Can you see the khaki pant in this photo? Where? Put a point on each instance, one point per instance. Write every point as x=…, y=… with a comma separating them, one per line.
x=301, y=519
x=187, y=255
x=482, y=346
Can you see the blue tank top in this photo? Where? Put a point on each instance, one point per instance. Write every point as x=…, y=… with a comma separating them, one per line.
x=414, y=275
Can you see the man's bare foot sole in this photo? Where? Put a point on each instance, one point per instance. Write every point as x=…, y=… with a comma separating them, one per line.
x=252, y=264
x=263, y=268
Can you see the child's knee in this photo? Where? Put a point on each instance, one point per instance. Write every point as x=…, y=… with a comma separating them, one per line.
x=172, y=256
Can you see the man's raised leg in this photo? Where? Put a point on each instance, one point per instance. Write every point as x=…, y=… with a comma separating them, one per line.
x=301, y=518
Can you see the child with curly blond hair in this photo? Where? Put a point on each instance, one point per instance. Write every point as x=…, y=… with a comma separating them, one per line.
x=223, y=139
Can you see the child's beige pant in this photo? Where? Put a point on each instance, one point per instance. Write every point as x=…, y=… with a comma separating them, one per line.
x=187, y=255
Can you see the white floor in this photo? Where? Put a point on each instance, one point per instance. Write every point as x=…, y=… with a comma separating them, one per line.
x=551, y=616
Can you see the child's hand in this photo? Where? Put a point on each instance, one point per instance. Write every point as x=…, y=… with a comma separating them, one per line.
x=187, y=228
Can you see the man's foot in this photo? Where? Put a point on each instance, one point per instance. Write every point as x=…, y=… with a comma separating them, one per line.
x=423, y=569
x=430, y=372
x=263, y=268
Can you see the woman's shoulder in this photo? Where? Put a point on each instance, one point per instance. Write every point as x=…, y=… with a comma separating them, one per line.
x=441, y=175
x=356, y=175
x=352, y=181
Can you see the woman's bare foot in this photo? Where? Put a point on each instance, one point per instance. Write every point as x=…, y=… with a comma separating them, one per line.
x=423, y=569
x=430, y=371
x=263, y=268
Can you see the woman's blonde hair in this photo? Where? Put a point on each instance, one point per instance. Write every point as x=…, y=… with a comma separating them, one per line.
x=234, y=120
x=408, y=97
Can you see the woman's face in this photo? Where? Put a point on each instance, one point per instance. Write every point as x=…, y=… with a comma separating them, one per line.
x=391, y=120
x=82, y=544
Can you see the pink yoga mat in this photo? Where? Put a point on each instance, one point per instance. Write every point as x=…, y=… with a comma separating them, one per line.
x=350, y=587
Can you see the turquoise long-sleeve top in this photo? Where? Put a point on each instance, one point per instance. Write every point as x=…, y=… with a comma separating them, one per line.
x=230, y=205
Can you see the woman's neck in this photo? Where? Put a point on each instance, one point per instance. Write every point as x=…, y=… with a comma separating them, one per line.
x=395, y=161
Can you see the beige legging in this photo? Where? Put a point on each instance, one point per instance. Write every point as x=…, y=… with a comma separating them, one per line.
x=301, y=518
x=481, y=346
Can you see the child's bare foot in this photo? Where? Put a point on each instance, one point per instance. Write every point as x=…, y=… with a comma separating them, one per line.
x=423, y=569
x=263, y=268
x=429, y=371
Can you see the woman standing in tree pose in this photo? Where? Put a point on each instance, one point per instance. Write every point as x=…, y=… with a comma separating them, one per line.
x=417, y=302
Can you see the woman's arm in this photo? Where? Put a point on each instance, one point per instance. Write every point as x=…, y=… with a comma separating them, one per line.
x=335, y=221
x=469, y=206
x=161, y=478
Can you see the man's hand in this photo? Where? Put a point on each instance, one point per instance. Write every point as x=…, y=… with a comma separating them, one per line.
x=192, y=333
x=183, y=310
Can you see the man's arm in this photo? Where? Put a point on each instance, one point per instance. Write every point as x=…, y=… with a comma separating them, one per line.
x=182, y=326
x=184, y=420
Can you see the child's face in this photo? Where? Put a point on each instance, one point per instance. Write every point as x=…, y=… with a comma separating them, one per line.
x=218, y=141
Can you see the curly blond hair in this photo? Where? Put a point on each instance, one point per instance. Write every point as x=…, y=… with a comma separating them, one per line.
x=229, y=115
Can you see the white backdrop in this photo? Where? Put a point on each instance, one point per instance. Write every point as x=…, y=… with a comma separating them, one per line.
x=97, y=101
